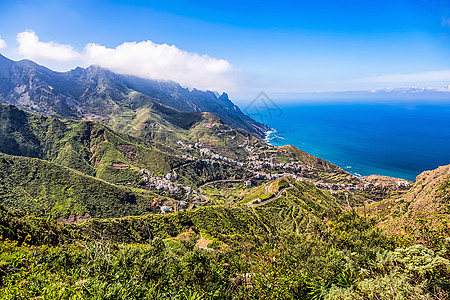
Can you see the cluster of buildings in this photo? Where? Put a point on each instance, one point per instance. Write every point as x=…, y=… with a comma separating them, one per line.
x=256, y=162
x=403, y=184
x=163, y=183
x=270, y=176
x=291, y=169
x=205, y=151
x=337, y=186
x=354, y=187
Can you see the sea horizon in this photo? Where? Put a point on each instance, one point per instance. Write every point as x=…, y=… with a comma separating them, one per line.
x=399, y=140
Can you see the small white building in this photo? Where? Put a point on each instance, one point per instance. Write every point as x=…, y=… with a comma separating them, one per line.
x=166, y=209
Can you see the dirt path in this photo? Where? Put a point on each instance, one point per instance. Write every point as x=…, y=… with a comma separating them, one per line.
x=346, y=198
x=294, y=219
x=203, y=243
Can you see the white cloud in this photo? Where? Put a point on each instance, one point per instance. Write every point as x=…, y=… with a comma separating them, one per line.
x=143, y=59
x=161, y=61
x=432, y=76
x=2, y=43
x=30, y=47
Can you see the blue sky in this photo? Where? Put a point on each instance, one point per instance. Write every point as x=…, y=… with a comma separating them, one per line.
x=243, y=46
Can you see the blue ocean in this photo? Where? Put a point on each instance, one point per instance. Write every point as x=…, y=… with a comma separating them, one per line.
x=394, y=140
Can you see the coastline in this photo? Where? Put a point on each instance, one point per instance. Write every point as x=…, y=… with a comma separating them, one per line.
x=270, y=135
x=389, y=140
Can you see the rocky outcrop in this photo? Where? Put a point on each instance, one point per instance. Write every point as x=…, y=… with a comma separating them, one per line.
x=97, y=94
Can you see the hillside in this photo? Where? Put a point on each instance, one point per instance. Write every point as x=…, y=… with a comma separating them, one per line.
x=297, y=209
x=86, y=146
x=291, y=233
x=153, y=202
x=96, y=150
x=310, y=160
x=208, y=151
x=422, y=213
x=302, y=246
x=100, y=95
x=51, y=190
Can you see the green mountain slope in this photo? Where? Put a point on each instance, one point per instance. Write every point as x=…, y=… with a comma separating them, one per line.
x=86, y=146
x=95, y=150
x=423, y=213
x=48, y=189
x=300, y=246
x=101, y=95
x=80, y=202
x=297, y=210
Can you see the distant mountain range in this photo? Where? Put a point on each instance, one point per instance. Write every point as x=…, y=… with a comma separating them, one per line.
x=429, y=94
x=101, y=95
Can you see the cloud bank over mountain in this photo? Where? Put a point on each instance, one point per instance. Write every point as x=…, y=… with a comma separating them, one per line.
x=144, y=59
x=150, y=60
x=431, y=76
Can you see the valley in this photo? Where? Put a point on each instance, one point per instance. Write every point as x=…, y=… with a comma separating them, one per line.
x=113, y=187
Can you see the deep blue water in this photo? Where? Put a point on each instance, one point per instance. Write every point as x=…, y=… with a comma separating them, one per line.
x=394, y=140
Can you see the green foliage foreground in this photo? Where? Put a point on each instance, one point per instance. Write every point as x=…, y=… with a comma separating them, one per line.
x=345, y=258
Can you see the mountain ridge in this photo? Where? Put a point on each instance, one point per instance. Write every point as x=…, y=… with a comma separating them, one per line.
x=98, y=94
x=157, y=196
x=422, y=213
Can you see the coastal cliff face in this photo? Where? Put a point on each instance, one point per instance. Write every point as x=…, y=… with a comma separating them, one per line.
x=425, y=206
x=101, y=95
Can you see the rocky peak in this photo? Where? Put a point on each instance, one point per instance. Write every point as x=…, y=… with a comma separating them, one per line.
x=81, y=93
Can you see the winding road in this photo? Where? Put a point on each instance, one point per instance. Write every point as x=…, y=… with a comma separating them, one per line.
x=270, y=199
x=278, y=195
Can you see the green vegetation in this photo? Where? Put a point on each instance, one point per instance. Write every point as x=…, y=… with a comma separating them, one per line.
x=96, y=150
x=301, y=246
x=308, y=159
x=80, y=145
x=143, y=258
x=198, y=172
x=305, y=243
x=225, y=192
x=422, y=214
x=52, y=190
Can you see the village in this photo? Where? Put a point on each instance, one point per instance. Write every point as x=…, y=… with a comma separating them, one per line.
x=259, y=166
